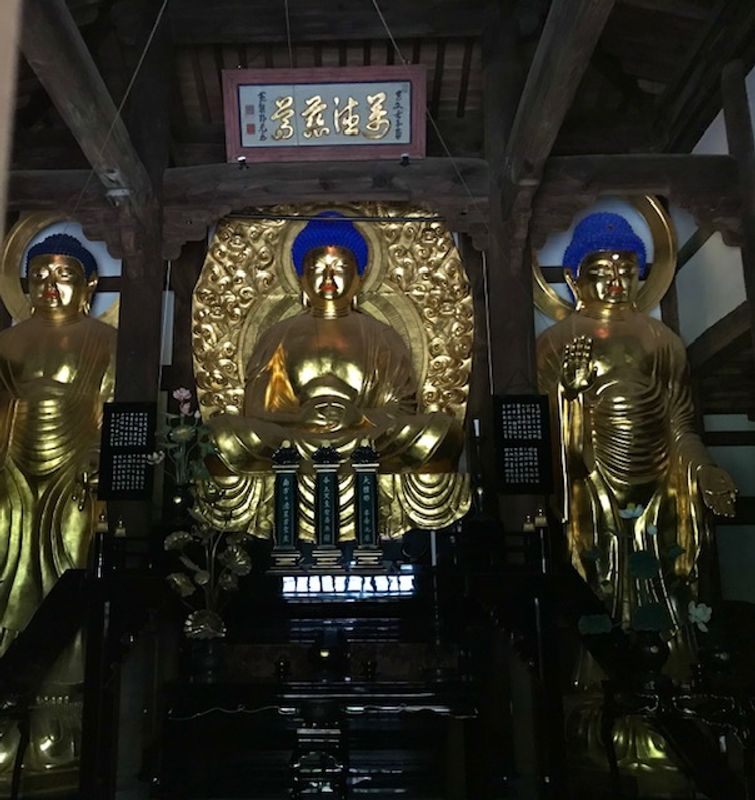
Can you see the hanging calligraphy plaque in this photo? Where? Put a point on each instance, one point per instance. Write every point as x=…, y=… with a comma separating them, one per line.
x=333, y=113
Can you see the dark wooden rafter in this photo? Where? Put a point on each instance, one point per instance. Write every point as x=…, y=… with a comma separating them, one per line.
x=195, y=197
x=466, y=68
x=40, y=189
x=723, y=338
x=695, y=242
x=238, y=21
x=267, y=184
x=56, y=51
x=693, y=98
x=728, y=387
x=680, y=8
x=517, y=147
x=705, y=185
x=571, y=32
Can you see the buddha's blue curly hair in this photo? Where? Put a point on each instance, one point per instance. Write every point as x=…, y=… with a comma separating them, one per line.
x=61, y=244
x=330, y=229
x=604, y=231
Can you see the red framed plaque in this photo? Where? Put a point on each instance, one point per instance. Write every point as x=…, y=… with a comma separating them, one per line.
x=334, y=113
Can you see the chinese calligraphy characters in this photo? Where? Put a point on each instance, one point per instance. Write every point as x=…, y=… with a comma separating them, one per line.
x=361, y=116
x=284, y=110
x=341, y=117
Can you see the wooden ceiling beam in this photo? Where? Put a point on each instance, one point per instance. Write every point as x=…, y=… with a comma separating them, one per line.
x=195, y=197
x=61, y=189
x=218, y=186
x=571, y=32
x=336, y=181
x=730, y=334
x=245, y=22
x=57, y=53
x=679, y=8
x=693, y=98
x=705, y=185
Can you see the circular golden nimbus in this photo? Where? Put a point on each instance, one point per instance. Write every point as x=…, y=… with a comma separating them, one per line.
x=660, y=276
x=393, y=309
x=375, y=248
x=18, y=239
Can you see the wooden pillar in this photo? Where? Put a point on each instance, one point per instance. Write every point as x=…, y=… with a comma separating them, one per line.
x=479, y=407
x=508, y=342
x=742, y=147
x=183, y=278
x=502, y=80
x=9, y=33
x=506, y=291
x=140, y=319
x=519, y=138
x=146, y=114
x=517, y=158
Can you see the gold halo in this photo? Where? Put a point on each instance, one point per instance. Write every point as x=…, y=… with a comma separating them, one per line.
x=660, y=276
x=380, y=305
x=18, y=239
x=375, y=249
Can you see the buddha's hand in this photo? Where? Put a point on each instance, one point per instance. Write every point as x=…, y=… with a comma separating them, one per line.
x=329, y=414
x=718, y=489
x=578, y=372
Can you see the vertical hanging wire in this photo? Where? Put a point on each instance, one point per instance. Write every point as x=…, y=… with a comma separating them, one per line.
x=288, y=36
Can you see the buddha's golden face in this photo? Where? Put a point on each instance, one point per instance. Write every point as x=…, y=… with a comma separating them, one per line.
x=58, y=284
x=330, y=276
x=609, y=277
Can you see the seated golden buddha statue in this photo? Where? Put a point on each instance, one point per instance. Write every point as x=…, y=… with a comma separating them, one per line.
x=334, y=376
x=637, y=479
x=56, y=371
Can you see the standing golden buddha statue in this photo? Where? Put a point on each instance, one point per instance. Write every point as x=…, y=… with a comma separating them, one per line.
x=334, y=376
x=56, y=371
x=637, y=479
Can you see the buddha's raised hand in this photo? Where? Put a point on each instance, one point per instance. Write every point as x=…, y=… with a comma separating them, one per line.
x=578, y=372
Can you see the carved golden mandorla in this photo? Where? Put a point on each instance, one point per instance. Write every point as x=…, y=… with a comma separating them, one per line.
x=415, y=284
